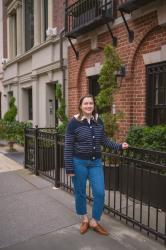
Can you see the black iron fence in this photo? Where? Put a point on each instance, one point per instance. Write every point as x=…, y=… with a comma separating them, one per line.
x=135, y=179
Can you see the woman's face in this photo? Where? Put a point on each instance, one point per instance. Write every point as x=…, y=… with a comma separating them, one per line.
x=87, y=106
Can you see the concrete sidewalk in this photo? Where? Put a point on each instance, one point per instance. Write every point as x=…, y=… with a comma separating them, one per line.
x=34, y=215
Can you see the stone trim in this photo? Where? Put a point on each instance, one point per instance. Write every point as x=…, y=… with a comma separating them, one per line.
x=31, y=51
x=91, y=71
x=155, y=56
x=34, y=74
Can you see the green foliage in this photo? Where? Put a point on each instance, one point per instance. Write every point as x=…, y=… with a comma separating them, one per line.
x=62, y=128
x=148, y=137
x=60, y=112
x=108, y=88
x=13, y=131
x=111, y=122
x=10, y=115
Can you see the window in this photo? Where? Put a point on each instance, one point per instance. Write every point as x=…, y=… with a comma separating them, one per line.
x=29, y=24
x=30, y=108
x=45, y=17
x=14, y=36
x=9, y=95
x=156, y=94
x=93, y=85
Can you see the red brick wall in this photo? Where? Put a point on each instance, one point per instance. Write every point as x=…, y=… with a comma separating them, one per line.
x=58, y=14
x=131, y=97
x=153, y=41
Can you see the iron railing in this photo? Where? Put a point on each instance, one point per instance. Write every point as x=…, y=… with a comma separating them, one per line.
x=84, y=15
x=135, y=179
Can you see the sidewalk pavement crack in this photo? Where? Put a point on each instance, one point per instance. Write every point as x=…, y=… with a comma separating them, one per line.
x=40, y=235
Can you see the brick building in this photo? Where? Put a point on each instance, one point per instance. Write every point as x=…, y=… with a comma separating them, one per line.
x=140, y=29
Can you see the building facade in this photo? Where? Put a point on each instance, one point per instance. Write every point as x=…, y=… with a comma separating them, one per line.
x=1, y=60
x=35, y=58
x=140, y=30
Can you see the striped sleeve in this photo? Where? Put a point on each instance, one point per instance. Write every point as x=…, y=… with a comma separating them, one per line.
x=111, y=144
x=68, y=151
x=106, y=142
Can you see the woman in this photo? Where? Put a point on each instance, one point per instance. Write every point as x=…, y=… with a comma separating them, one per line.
x=84, y=137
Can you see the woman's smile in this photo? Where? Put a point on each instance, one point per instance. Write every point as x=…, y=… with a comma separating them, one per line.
x=87, y=106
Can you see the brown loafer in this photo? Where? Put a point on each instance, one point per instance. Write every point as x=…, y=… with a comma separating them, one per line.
x=84, y=227
x=99, y=229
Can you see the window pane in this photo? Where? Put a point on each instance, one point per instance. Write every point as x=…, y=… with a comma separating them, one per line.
x=14, y=34
x=45, y=17
x=30, y=108
x=160, y=90
x=93, y=85
x=29, y=24
x=160, y=117
x=156, y=94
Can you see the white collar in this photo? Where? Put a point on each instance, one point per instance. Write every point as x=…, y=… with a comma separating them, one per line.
x=83, y=117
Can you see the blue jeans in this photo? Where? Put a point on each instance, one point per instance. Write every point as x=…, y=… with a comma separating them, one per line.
x=92, y=170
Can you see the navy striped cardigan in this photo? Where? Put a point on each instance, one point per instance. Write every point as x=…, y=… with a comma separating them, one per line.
x=84, y=140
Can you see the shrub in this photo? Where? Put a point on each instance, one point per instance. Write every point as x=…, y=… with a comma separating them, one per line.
x=13, y=131
x=10, y=115
x=60, y=112
x=148, y=137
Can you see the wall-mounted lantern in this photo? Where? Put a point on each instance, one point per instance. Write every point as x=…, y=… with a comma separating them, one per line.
x=113, y=109
x=120, y=74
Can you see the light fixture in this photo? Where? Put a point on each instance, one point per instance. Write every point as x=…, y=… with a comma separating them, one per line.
x=120, y=74
x=113, y=109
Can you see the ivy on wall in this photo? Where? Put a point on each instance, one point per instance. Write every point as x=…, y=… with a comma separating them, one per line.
x=60, y=112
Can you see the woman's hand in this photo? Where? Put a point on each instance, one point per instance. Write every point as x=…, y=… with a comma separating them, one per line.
x=125, y=145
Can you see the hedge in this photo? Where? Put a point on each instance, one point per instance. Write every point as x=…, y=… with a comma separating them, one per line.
x=148, y=137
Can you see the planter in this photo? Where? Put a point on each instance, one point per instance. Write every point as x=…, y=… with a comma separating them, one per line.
x=111, y=177
x=11, y=146
x=150, y=188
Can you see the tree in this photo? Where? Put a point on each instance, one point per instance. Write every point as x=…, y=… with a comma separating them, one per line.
x=108, y=87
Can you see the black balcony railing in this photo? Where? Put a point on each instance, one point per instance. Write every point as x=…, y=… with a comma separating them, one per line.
x=135, y=179
x=85, y=15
